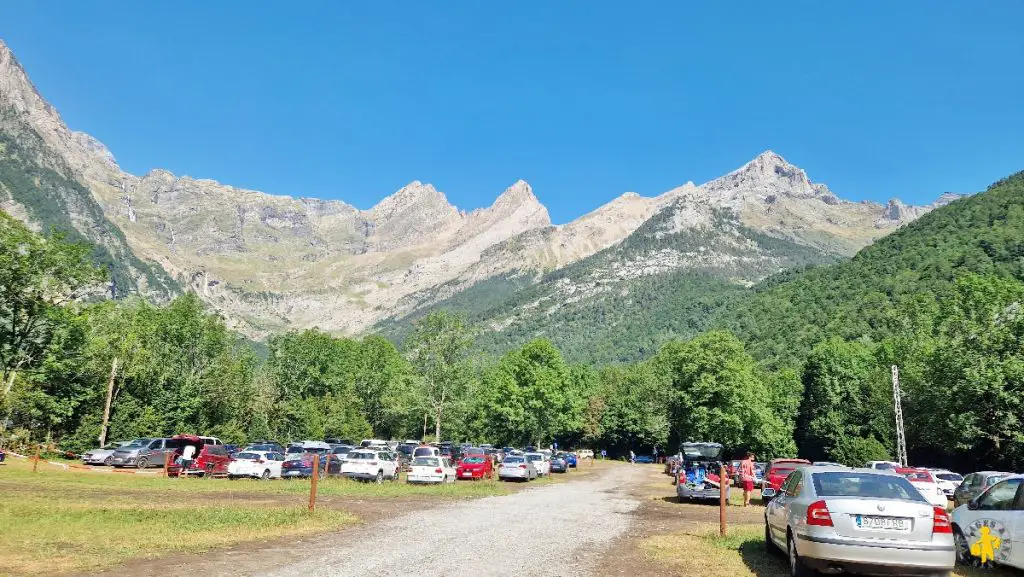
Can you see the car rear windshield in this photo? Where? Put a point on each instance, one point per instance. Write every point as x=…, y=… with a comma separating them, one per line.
x=512, y=459
x=919, y=476
x=342, y=450
x=949, y=477
x=474, y=460
x=361, y=456
x=262, y=448
x=779, y=470
x=425, y=462
x=252, y=456
x=867, y=485
x=534, y=458
x=423, y=452
x=293, y=449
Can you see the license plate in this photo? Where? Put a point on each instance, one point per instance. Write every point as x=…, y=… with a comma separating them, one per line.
x=872, y=523
x=293, y=472
x=467, y=474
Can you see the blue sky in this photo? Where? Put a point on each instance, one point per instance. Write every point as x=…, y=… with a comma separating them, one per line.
x=584, y=100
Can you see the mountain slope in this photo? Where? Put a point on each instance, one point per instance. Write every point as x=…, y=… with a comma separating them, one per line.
x=903, y=272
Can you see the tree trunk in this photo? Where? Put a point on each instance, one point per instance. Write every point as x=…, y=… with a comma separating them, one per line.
x=9, y=382
x=437, y=425
x=110, y=398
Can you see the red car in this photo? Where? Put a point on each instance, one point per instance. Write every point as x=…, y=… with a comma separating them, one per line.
x=207, y=459
x=475, y=467
x=779, y=469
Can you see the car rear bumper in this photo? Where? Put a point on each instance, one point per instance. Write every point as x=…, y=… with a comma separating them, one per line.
x=829, y=554
x=517, y=474
x=707, y=493
x=359, y=475
x=423, y=479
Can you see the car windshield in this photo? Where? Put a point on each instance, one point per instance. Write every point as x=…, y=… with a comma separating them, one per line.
x=110, y=446
x=293, y=449
x=138, y=443
x=474, y=460
x=423, y=452
x=425, y=462
x=867, y=485
x=993, y=479
x=707, y=450
x=950, y=477
x=249, y=456
x=534, y=458
x=511, y=459
x=342, y=450
x=361, y=456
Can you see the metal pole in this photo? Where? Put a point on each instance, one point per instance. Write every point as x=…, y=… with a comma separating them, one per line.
x=722, y=487
x=901, y=437
x=312, y=484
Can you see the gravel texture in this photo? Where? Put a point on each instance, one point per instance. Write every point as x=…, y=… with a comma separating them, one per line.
x=552, y=530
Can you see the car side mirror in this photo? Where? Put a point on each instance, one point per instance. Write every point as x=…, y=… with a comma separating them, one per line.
x=973, y=505
x=768, y=493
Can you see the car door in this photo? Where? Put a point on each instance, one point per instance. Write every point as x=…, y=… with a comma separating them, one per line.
x=995, y=508
x=1015, y=524
x=779, y=506
x=154, y=453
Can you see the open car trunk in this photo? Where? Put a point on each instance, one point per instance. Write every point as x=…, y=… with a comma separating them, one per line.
x=699, y=474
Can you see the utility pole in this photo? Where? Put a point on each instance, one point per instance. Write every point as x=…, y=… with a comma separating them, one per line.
x=901, y=437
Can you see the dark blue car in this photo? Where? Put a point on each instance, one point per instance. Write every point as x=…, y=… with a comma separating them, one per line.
x=644, y=459
x=570, y=459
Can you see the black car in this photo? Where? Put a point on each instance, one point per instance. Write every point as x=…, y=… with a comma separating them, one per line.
x=559, y=464
x=336, y=458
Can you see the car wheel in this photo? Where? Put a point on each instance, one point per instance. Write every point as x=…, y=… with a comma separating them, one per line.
x=380, y=477
x=142, y=463
x=233, y=477
x=266, y=475
x=796, y=564
x=963, y=549
x=108, y=461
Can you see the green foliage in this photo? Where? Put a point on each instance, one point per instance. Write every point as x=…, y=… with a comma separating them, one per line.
x=438, y=349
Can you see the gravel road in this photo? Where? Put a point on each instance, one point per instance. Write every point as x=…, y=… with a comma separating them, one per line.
x=552, y=530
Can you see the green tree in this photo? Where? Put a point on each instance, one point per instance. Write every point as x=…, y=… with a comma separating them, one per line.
x=439, y=349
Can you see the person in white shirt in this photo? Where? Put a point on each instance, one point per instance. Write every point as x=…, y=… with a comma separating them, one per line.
x=187, y=454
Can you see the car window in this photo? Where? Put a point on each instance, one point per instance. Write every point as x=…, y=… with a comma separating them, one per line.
x=361, y=456
x=156, y=444
x=425, y=462
x=992, y=480
x=513, y=459
x=423, y=452
x=868, y=485
x=793, y=484
x=250, y=456
x=919, y=476
x=1000, y=497
x=949, y=477
x=474, y=460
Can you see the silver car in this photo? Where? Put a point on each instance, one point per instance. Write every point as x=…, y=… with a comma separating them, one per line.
x=862, y=521
x=104, y=455
x=142, y=453
x=517, y=467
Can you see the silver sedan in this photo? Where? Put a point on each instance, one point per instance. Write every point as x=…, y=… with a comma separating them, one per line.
x=517, y=467
x=862, y=521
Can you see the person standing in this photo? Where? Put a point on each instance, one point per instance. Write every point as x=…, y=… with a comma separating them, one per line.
x=655, y=454
x=747, y=477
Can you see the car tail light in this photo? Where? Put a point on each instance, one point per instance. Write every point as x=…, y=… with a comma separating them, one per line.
x=372, y=463
x=818, y=515
x=259, y=461
x=522, y=466
x=438, y=470
x=940, y=521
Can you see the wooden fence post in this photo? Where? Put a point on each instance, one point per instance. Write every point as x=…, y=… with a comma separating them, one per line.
x=35, y=463
x=723, y=486
x=312, y=484
x=167, y=464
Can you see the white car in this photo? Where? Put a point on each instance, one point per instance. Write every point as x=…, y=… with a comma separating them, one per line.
x=948, y=481
x=994, y=519
x=256, y=464
x=584, y=454
x=542, y=463
x=367, y=465
x=883, y=465
x=104, y=455
x=923, y=481
x=431, y=470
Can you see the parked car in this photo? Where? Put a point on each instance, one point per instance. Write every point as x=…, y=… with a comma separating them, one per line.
x=209, y=459
x=976, y=484
x=923, y=481
x=881, y=465
x=843, y=520
x=475, y=467
x=698, y=476
x=302, y=447
x=104, y=455
x=646, y=459
x=948, y=481
x=145, y=452
x=431, y=470
x=585, y=453
x=336, y=458
x=517, y=467
x=256, y=464
x=269, y=446
x=426, y=451
x=570, y=459
x=558, y=464
x=301, y=466
x=540, y=462
x=1000, y=510
x=370, y=465
x=778, y=470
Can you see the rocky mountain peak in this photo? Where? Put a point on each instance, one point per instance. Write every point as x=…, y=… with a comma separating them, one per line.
x=413, y=197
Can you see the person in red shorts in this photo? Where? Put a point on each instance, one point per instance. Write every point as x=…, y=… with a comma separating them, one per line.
x=747, y=477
